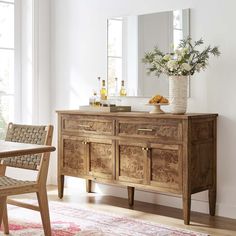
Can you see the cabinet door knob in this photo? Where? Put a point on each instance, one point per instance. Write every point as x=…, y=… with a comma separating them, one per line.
x=145, y=149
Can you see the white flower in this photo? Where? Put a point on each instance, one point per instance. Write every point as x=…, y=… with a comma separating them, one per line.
x=158, y=57
x=179, y=58
x=156, y=64
x=177, y=52
x=184, y=51
x=198, y=67
x=172, y=64
x=166, y=57
x=186, y=66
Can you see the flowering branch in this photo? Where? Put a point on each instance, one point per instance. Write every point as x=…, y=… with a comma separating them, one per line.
x=185, y=60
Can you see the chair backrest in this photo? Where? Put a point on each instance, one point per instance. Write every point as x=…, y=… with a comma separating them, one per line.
x=28, y=134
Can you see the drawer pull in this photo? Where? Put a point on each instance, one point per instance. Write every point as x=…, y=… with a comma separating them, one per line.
x=85, y=126
x=143, y=129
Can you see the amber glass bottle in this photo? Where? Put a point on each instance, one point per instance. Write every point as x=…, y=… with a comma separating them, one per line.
x=103, y=91
x=122, y=89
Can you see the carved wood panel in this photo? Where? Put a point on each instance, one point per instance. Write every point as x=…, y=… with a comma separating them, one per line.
x=166, y=166
x=162, y=129
x=101, y=159
x=87, y=125
x=74, y=155
x=132, y=161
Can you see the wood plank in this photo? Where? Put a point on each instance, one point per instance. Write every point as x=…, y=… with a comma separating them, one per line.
x=22, y=204
x=138, y=114
x=11, y=149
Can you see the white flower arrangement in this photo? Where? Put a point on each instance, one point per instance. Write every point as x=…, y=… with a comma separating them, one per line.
x=184, y=61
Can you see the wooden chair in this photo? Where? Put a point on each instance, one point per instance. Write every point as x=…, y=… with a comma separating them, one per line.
x=38, y=162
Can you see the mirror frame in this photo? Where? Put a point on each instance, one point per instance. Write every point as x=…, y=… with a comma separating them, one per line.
x=188, y=33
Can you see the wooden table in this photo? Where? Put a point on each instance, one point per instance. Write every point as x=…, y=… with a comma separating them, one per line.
x=11, y=149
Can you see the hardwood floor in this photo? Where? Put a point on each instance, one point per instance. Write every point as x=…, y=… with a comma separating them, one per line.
x=217, y=226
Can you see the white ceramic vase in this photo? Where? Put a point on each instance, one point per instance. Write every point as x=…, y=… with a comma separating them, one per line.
x=178, y=88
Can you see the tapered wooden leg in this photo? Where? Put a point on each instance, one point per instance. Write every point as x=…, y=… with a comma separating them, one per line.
x=2, y=170
x=89, y=186
x=2, y=208
x=130, y=195
x=212, y=190
x=5, y=221
x=186, y=209
x=212, y=201
x=60, y=183
x=44, y=211
x=4, y=216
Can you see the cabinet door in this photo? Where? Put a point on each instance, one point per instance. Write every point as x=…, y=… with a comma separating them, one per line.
x=166, y=166
x=73, y=156
x=131, y=162
x=101, y=156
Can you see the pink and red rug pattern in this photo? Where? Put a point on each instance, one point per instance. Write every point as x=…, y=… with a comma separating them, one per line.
x=68, y=220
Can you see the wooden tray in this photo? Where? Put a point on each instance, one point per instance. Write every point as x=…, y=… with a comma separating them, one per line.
x=106, y=109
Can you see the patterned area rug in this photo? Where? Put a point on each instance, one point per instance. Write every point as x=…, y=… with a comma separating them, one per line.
x=68, y=220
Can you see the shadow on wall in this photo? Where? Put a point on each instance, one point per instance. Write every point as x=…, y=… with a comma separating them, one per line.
x=226, y=175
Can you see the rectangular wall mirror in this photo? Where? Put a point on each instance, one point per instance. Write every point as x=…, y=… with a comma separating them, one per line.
x=128, y=38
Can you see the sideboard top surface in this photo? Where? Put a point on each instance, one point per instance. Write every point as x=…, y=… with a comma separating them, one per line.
x=139, y=114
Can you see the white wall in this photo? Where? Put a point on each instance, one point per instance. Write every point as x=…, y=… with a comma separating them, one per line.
x=79, y=55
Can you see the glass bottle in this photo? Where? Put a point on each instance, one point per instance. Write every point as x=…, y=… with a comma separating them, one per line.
x=116, y=86
x=99, y=84
x=122, y=89
x=92, y=100
x=97, y=102
x=103, y=91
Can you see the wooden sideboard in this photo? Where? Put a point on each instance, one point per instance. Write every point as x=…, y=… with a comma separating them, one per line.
x=165, y=153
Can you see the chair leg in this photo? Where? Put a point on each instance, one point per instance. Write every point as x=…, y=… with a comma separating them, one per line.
x=2, y=208
x=5, y=221
x=44, y=211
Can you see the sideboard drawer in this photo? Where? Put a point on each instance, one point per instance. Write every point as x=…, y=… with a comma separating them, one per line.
x=160, y=128
x=87, y=124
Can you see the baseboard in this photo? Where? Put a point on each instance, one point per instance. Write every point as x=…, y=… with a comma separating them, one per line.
x=198, y=205
x=199, y=201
